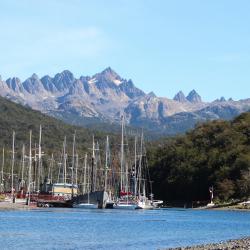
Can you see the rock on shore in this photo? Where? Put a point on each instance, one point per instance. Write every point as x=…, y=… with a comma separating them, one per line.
x=242, y=244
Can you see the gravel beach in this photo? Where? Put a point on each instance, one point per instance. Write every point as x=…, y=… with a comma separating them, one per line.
x=243, y=243
x=16, y=206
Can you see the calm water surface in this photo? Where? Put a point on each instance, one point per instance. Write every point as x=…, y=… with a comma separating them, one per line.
x=114, y=229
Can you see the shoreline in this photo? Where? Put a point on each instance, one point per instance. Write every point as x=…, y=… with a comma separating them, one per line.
x=6, y=205
x=242, y=243
x=227, y=207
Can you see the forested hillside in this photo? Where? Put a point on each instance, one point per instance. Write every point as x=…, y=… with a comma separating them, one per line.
x=22, y=120
x=215, y=154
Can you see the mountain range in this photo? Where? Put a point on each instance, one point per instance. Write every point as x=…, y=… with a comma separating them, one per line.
x=105, y=96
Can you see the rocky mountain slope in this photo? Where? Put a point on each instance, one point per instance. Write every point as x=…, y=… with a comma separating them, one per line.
x=102, y=98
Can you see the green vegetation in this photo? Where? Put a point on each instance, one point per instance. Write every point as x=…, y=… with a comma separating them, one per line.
x=14, y=117
x=22, y=120
x=215, y=154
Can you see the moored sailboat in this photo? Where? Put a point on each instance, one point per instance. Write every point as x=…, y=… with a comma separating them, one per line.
x=126, y=199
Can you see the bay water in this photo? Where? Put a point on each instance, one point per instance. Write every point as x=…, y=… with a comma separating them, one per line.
x=58, y=228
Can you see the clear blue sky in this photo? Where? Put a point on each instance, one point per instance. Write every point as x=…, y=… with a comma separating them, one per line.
x=163, y=46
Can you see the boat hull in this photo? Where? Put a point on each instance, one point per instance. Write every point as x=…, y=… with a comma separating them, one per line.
x=97, y=198
x=126, y=206
x=146, y=206
x=85, y=206
x=109, y=204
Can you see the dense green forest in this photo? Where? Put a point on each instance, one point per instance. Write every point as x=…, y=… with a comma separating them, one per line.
x=22, y=120
x=214, y=154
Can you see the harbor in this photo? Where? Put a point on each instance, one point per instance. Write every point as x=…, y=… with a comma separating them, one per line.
x=69, y=228
x=68, y=178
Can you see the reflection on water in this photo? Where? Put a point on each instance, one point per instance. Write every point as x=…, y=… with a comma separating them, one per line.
x=114, y=229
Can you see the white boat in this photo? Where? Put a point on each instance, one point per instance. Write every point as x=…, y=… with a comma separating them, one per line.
x=126, y=205
x=86, y=205
x=157, y=203
x=146, y=204
x=143, y=182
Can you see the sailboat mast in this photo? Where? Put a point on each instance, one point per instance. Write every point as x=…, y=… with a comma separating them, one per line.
x=12, y=166
x=76, y=170
x=106, y=164
x=2, y=177
x=126, y=184
x=35, y=169
x=73, y=159
x=84, y=174
x=139, y=177
x=88, y=178
x=29, y=175
x=23, y=161
x=51, y=168
x=96, y=172
x=122, y=153
x=92, y=165
x=39, y=158
x=135, y=168
x=64, y=161
x=73, y=165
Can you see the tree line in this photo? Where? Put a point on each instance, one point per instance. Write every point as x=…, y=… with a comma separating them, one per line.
x=215, y=153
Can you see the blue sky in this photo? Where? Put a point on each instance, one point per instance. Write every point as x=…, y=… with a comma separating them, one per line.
x=163, y=46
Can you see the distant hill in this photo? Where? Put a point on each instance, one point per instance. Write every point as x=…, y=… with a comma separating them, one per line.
x=215, y=153
x=22, y=119
x=102, y=98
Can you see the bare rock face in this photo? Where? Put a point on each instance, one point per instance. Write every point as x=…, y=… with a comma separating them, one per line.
x=48, y=84
x=180, y=97
x=194, y=97
x=105, y=95
x=64, y=80
x=33, y=85
x=15, y=84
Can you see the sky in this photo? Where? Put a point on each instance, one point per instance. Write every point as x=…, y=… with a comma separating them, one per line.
x=163, y=46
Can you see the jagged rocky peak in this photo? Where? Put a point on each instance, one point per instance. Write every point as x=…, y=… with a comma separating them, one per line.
x=152, y=94
x=33, y=84
x=222, y=99
x=230, y=99
x=85, y=78
x=34, y=76
x=48, y=84
x=77, y=88
x=63, y=80
x=130, y=90
x=194, y=97
x=108, y=75
x=65, y=75
x=180, y=97
x=14, y=83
